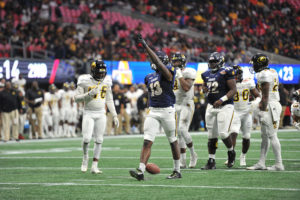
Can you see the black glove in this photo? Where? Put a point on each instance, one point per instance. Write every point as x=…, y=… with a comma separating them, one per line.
x=140, y=40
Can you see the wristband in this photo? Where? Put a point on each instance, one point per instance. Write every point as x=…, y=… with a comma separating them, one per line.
x=224, y=98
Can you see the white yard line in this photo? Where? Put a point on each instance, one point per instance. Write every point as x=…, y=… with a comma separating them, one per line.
x=195, y=170
x=8, y=188
x=122, y=157
x=156, y=186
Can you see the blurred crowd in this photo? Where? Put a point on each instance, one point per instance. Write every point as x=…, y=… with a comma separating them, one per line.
x=40, y=26
x=270, y=25
x=28, y=111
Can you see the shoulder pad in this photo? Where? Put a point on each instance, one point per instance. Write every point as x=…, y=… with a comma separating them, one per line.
x=171, y=68
x=264, y=76
x=189, y=73
x=83, y=78
x=107, y=80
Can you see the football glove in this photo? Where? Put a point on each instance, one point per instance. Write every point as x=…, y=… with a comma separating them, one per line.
x=179, y=73
x=140, y=40
x=94, y=91
x=116, y=121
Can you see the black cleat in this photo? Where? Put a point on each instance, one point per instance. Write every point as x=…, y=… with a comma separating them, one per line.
x=137, y=174
x=211, y=164
x=231, y=158
x=174, y=175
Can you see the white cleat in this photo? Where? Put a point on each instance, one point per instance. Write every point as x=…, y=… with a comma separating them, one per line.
x=182, y=163
x=193, y=161
x=277, y=167
x=242, y=160
x=257, y=166
x=226, y=162
x=84, y=165
x=95, y=170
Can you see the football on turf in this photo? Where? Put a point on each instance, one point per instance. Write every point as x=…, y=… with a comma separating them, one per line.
x=152, y=168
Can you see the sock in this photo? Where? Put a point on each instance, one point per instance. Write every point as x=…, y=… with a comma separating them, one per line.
x=183, y=156
x=276, y=149
x=213, y=156
x=192, y=150
x=66, y=129
x=230, y=149
x=265, y=143
x=97, y=150
x=85, y=147
x=95, y=164
x=142, y=167
x=176, y=165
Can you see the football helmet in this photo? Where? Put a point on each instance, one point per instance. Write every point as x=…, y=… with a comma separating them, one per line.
x=72, y=85
x=52, y=88
x=66, y=86
x=259, y=62
x=98, y=70
x=163, y=57
x=178, y=60
x=238, y=73
x=215, y=61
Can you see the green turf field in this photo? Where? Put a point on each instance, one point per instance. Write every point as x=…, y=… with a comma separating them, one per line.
x=50, y=169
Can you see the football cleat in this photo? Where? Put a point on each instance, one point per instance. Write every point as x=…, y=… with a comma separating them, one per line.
x=95, y=170
x=257, y=166
x=182, y=163
x=174, y=175
x=211, y=164
x=137, y=174
x=226, y=162
x=193, y=161
x=84, y=165
x=231, y=158
x=242, y=160
x=277, y=167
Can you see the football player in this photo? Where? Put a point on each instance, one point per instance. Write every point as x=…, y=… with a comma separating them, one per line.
x=220, y=86
x=95, y=91
x=295, y=110
x=184, y=92
x=161, y=112
x=65, y=108
x=242, y=119
x=53, y=106
x=270, y=110
x=47, y=118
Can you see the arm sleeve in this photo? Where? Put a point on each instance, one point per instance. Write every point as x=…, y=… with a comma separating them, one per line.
x=110, y=102
x=80, y=96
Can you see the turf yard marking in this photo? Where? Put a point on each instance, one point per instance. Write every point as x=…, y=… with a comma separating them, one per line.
x=8, y=188
x=124, y=157
x=165, y=186
x=87, y=180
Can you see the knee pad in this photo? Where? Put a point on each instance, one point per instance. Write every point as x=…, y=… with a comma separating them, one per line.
x=172, y=139
x=86, y=139
x=224, y=135
x=246, y=136
x=99, y=139
x=212, y=143
x=181, y=142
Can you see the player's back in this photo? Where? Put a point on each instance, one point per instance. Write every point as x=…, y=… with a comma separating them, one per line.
x=160, y=89
x=295, y=109
x=271, y=76
x=97, y=103
x=241, y=98
x=181, y=95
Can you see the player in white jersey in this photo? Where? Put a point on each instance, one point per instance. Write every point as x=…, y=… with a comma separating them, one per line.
x=295, y=110
x=270, y=110
x=184, y=92
x=73, y=112
x=65, y=110
x=95, y=91
x=242, y=119
x=47, y=119
x=53, y=108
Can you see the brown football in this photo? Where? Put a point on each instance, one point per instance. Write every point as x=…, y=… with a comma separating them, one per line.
x=152, y=168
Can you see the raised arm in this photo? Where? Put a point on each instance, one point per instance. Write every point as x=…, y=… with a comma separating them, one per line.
x=155, y=59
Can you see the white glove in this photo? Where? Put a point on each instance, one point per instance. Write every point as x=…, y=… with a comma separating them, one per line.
x=38, y=100
x=179, y=73
x=116, y=121
x=94, y=91
x=297, y=125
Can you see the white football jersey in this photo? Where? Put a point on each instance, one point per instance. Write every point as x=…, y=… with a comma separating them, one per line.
x=241, y=98
x=295, y=109
x=181, y=95
x=270, y=76
x=46, y=101
x=53, y=99
x=65, y=97
x=87, y=82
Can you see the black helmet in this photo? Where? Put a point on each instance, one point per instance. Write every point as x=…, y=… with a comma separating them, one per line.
x=163, y=57
x=215, y=61
x=238, y=73
x=98, y=70
x=260, y=62
x=178, y=57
